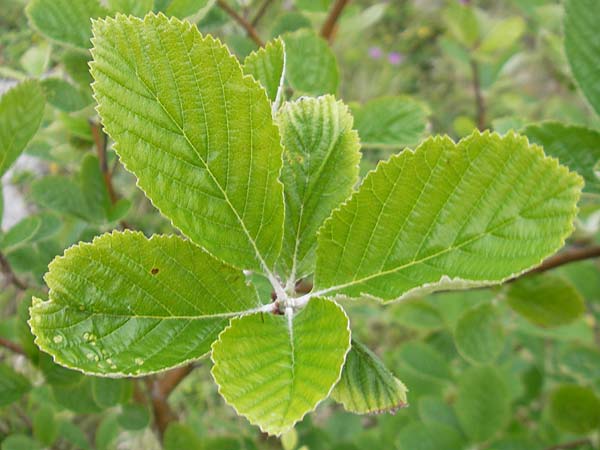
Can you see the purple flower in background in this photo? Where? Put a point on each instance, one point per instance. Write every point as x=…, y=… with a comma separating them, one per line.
x=395, y=58
x=375, y=53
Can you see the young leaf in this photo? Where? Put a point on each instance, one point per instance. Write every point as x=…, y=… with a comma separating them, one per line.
x=582, y=45
x=366, y=385
x=274, y=369
x=12, y=385
x=64, y=96
x=134, y=7
x=125, y=305
x=479, y=336
x=483, y=403
x=267, y=66
x=447, y=216
x=429, y=436
x=311, y=67
x=390, y=122
x=45, y=428
x=195, y=131
x=65, y=21
x=546, y=300
x=21, y=112
x=576, y=147
x=320, y=169
x=575, y=408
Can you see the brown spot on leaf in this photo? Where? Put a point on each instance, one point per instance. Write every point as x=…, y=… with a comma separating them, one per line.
x=154, y=270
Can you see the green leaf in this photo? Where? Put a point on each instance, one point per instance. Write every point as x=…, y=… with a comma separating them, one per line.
x=12, y=385
x=60, y=194
x=288, y=22
x=93, y=188
x=582, y=45
x=390, y=122
x=483, y=403
x=107, y=433
x=20, y=233
x=45, y=428
x=320, y=169
x=436, y=410
x=425, y=360
x=21, y=112
x=447, y=216
x=126, y=305
x=433, y=436
x=200, y=139
x=273, y=369
x=366, y=385
x=134, y=417
x=462, y=23
x=20, y=442
x=575, y=408
x=267, y=66
x=581, y=362
x=311, y=67
x=134, y=7
x=576, y=147
x=187, y=8
x=179, y=436
x=546, y=300
x=479, y=336
x=502, y=35
x=108, y=392
x=65, y=21
x=64, y=96
x=74, y=435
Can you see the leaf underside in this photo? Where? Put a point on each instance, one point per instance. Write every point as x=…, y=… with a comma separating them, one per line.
x=126, y=305
x=195, y=131
x=447, y=216
x=366, y=385
x=273, y=373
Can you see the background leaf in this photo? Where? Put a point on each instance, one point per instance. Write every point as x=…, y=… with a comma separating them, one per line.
x=575, y=408
x=479, y=335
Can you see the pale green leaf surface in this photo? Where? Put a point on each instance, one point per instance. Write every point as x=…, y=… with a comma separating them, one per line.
x=127, y=305
x=429, y=436
x=390, y=122
x=483, y=403
x=311, y=67
x=502, y=35
x=187, y=8
x=65, y=21
x=267, y=66
x=447, y=216
x=582, y=45
x=274, y=369
x=462, y=23
x=576, y=147
x=320, y=169
x=478, y=335
x=21, y=112
x=546, y=300
x=195, y=131
x=367, y=386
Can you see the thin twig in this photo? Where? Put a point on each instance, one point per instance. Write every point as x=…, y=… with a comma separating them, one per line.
x=101, y=144
x=16, y=348
x=570, y=255
x=479, y=100
x=328, y=29
x=10, y=275
x=260, y=13
x=569, y=445
x=160, y=389
x=250, y=30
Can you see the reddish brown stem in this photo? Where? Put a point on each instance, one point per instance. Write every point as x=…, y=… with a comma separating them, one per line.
x=10, y=275
x=479, y=100
x=329, y=27
x=247, y=26
x=261, y=12
x=16, y=348
x=101, y=143
x=567, y=256
x=160, y=389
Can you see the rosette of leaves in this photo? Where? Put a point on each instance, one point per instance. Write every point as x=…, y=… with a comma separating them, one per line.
x=268, y=189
